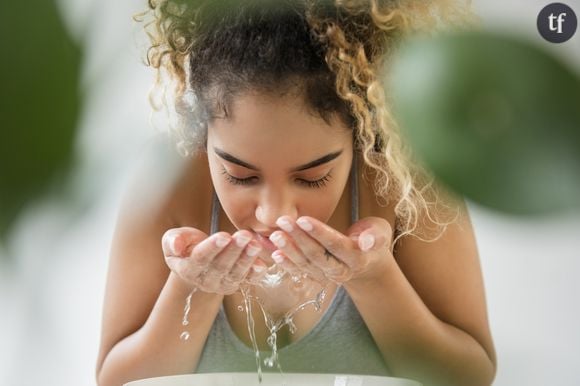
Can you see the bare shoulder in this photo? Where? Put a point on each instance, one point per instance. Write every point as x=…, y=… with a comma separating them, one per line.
x=158, y=199
x=446, y=274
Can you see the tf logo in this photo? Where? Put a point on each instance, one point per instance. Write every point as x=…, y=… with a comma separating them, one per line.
x=557, y=22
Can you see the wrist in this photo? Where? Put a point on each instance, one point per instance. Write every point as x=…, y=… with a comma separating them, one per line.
x=179, y=285
x=182, y=288
x=377, y=276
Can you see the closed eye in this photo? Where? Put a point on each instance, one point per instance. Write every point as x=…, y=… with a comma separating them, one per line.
x=320, y=183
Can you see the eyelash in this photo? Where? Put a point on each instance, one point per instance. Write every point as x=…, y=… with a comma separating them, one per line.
x=320, y=183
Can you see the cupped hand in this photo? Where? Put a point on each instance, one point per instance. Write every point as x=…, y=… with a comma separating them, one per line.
x=310, y=246
x=215, y=264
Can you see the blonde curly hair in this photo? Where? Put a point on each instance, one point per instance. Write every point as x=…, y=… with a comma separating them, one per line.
x=336, y=51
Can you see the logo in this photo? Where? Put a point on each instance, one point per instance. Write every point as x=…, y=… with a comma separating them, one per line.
x=557, y=22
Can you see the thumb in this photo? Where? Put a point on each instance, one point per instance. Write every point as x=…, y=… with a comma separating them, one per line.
x=180, y=241
x=375, y=234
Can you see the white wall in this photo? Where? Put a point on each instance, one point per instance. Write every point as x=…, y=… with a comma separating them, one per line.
x=531, y=266
x=50, y=299
x=51, y=295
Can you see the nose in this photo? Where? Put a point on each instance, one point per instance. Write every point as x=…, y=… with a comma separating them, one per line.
x=274, y=204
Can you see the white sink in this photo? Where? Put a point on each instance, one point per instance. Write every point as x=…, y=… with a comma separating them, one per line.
x=273, y=379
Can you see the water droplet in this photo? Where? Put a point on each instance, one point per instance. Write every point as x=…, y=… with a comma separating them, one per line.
x=186, y=309
x=298, y=286
x=240, y=308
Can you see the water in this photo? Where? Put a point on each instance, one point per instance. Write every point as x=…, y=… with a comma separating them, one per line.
x=185, y=335
x=276, y=313
x=252, y=331
x=273, y=322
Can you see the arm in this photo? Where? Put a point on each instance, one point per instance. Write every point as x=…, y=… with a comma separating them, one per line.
x=427, y=310
x=424, y=304
x=155, y=348
x=144, y=303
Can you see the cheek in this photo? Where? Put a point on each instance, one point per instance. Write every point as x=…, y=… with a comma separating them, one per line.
x=320, y=203
x=235, y=202
x=321, y=209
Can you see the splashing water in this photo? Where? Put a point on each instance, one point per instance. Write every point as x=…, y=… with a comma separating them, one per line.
x=275, y=315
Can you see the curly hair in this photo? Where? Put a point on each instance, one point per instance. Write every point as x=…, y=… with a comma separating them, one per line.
x=334, y=53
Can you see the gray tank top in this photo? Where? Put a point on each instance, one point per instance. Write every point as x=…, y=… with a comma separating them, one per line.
x=339, y=343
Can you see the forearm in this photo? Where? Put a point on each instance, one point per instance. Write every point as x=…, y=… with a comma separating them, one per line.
x=156, y=348
x=413, y=341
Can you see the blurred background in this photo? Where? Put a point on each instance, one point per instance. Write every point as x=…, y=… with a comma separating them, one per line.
x=53, y=261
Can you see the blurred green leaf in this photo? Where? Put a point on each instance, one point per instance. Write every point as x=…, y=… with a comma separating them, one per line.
x=495, y=118
x=39, y=103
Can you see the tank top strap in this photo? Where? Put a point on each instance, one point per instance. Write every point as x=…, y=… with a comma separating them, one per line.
x=354, y=214
x=215, y=213
x=354, y=204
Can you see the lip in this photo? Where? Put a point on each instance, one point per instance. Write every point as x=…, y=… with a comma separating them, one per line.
x=265, y=242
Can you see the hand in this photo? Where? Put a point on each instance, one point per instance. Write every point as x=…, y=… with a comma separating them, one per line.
x=215, y=264
x=311, y=246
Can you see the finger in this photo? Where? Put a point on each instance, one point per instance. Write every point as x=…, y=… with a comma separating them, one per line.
x=208, y=249
x=286, y=245
x=230, y=283
x=224, y=261
x=243, y=265
x=190, y=267
x=180, y=241
x=215, y=278
x=289, y=266
x=257, y=272
x=341, y=246
x=372, y=233
x=309, y=249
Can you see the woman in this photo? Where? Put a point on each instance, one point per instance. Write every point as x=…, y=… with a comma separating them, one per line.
x=290, y=141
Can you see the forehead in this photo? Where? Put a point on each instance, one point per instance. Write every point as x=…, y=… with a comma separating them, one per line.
x=260, y=119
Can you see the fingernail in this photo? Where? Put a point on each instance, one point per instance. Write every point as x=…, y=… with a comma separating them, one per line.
x=277, y=257
x=242, y=240
x=252, y=250
x=278, y=239
x=304, y=224
x=367, y=241
x=171, y=242
x=221, y=241
x=283, y=223
x=258, y=268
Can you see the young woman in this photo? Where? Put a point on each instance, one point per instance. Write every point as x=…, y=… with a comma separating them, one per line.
x=294, y=161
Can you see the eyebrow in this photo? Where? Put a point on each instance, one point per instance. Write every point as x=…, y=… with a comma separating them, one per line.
x=317, y=162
